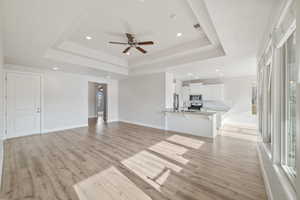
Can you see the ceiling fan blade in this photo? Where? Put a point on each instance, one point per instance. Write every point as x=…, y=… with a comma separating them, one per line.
x=146, y=43
x=123, y=43
x=141, y=50
x=130, y=37
x=126, y=50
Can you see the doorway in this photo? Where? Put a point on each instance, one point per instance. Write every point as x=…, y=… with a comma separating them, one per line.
x=23, y=104
x=97, y=103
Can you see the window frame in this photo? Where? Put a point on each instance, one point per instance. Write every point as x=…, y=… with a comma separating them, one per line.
x=260, y=100
x=290, y=173
x=267, y=104
x=269, y=110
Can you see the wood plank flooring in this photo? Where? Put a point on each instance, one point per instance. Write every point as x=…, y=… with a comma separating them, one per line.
x=109, y=184
x=51, y=166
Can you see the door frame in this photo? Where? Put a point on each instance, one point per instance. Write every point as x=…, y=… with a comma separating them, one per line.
x=41, y=75
x=105, y=97
x=105, y=118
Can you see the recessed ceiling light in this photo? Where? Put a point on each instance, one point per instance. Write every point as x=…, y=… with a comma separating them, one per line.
x=173, y=16
x=55, y=68
x=179, y=34
x=88, y=37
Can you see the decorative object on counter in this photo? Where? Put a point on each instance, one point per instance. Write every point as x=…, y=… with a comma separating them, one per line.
x=176, y=102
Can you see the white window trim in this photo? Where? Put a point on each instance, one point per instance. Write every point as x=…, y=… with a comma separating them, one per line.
x=290, y=173
x=279, y=32
x=285, y=182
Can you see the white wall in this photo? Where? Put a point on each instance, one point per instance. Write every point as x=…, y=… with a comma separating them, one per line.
x=1, y=82
x=2, y=110
x=65, y=98
x=170, y=89
x=237, y=95
x=298, y=35
x=298, y=96
x=92, y=100
x=208, y=91
x=65, y=101
x=142, y=99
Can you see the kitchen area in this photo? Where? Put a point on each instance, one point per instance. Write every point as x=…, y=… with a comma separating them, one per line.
x=194, y=107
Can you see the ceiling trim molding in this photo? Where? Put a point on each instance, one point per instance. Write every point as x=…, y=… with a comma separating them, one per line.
x=171, y=53
x=198, y=7
x=80, y=50
x=219, y=80
x=211, y=52
x=61, y=56
x=275, y=19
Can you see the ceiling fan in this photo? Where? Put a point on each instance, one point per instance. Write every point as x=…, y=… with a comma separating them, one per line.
x=133, y=43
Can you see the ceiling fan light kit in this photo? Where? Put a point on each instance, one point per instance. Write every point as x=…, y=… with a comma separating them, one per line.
x=133, y=44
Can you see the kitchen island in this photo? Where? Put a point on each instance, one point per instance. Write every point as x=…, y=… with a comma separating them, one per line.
x=198, y=123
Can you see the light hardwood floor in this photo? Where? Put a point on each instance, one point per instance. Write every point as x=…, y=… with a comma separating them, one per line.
x=243, y=133
x=151, y=163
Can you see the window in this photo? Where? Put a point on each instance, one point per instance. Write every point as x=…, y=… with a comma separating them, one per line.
x=268, y=82
x=265, y=104
x=254, y=99
x=289, y=133
x=260, y=100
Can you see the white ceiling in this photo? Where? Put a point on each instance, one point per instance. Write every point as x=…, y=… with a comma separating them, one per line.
x=51, y=33
x=149, y=20
x=240, y=26
x=216, y=68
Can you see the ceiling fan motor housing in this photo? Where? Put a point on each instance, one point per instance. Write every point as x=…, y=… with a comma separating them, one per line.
x=132, y=42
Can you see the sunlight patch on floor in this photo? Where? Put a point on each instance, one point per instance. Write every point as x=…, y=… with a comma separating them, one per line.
x=110, y=184
x=186, y=141
x=151, y=168
x=171, y=151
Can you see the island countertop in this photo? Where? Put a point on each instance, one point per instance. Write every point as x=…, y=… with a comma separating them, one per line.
x=198, y=123
x=205, y=113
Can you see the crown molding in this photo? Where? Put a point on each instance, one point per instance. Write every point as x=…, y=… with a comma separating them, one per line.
x=65, y=57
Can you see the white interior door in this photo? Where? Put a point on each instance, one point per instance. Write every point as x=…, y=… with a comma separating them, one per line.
x=23, y=104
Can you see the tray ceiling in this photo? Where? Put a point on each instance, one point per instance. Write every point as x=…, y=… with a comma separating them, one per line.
x=53, y=33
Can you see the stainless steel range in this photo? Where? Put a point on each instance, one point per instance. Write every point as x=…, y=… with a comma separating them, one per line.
x=196, y=102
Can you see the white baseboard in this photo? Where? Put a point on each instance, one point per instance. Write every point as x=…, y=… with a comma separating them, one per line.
x=283, y=183
x=64, y=128
x=1, y=160
x=142, y=124
x=241, y=125
x=93, y=116
x=112, y=120
x=265, y=176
